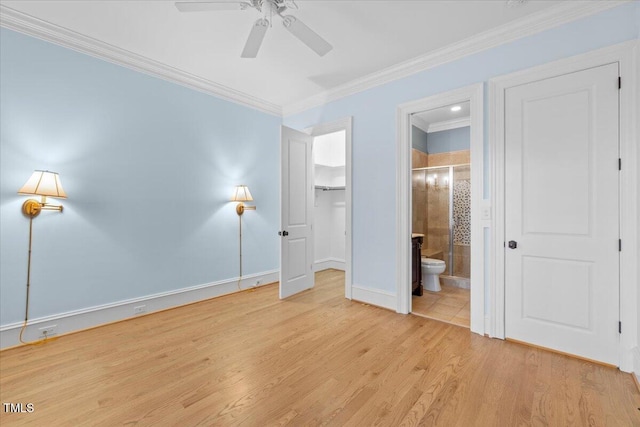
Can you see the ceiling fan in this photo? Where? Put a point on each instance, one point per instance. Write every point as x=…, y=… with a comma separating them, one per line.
x=269, y=9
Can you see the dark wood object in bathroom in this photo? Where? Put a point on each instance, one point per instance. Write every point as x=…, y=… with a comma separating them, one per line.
x=416, y=266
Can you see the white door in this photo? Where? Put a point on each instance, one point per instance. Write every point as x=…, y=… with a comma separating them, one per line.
x=561, y=201
x=296, y=253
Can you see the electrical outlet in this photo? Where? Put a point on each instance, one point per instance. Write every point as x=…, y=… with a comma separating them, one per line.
x=48, y=331
x=139, y=309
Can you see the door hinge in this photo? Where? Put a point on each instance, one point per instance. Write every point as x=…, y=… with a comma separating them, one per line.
x=619, y=245
x=619, y=164
x=619, y=82
x=619, y=327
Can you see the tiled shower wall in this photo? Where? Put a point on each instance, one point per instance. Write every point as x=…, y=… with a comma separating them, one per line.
x=430, y=212
x=430, y=215
x=462, y=219
x=419, y=197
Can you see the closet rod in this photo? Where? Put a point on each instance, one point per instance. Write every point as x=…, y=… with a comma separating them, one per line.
x=325, y=188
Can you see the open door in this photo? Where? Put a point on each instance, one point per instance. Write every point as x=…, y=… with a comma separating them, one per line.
x=296, y=246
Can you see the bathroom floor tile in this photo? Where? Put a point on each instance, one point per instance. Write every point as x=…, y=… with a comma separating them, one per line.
x=421, y=304
x=446, y=312
x=464, y=314
x=450, y=305
x=453, y=301
x=460, y=321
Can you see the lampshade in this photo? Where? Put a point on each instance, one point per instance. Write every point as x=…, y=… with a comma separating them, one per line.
x=242, y=194
x=44, y=183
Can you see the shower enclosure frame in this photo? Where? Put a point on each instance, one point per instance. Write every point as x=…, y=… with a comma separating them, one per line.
x=452, y=221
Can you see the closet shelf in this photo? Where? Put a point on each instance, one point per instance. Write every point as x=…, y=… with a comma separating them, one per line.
x=325, y=188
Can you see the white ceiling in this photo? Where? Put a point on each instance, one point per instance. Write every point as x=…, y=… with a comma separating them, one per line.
x=442, y=115
x=368, y=36
x=329, y=149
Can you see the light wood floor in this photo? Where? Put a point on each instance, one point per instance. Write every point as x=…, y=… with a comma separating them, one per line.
x=314, y=359
x=450, y=305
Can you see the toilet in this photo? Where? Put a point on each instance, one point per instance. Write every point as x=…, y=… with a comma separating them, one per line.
x=431, y=271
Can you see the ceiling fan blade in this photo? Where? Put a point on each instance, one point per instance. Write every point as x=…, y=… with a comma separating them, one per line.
x=256, y=36
x=198, y=6
x=306, y=35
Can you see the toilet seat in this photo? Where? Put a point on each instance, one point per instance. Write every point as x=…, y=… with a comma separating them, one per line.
x=431, y=261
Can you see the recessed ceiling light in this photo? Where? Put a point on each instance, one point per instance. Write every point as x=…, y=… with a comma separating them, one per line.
x=456, y=108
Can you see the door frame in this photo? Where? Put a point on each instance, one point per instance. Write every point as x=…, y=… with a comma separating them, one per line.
x=475, y=95
x=346, y=124
x=625, y=54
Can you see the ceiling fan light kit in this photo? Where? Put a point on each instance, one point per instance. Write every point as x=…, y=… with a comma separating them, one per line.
x=269, y=9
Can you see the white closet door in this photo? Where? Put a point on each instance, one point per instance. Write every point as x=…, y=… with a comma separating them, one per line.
x=561, y=197
x=296, y=255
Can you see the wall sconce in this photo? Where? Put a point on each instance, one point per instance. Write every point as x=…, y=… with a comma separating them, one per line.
x=242, y=194
x=436, y=182
x=42, y=183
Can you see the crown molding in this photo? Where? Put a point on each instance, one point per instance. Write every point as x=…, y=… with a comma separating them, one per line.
x=27, y=24
x=563, y=13
x=551, y=17
x=449, y=124
x=420, y=123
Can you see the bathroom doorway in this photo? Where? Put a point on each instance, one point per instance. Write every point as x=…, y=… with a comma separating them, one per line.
x=441, y=211
x=479, y=217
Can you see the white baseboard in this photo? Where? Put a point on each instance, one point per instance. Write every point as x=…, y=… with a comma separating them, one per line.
x=487, y=325
x=327, y=263
x=91, y=317
x=375, y=297
x=636, y=362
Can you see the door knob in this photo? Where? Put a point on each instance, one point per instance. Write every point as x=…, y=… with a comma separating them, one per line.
x=513, y=244
x=283, y=233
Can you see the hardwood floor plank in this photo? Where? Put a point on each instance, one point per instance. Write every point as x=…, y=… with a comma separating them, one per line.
x=250, y=359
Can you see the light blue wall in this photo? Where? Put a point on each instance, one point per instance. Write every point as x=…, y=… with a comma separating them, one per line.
x=418, y=139
x=374, y=125
x=449, y=140
x=149, y=167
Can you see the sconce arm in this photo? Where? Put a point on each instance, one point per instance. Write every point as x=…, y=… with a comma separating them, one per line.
x=32, y=207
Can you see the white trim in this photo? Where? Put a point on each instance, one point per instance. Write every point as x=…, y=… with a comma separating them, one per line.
x=345, y=124
x=626, y=55
x=449, y=124
x=21, y=22
x=496, y=155
x=548, y=18
x=329, y=263
x=374, y=297
x=420, y=123
x=551, y=17
x=635, y=352
x=474, y=94
x=427, y=127
x=91, y=317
